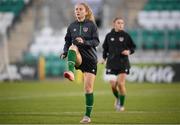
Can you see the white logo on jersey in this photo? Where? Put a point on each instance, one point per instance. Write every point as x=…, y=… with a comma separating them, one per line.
x=126, y=70
x=112, y=39
x=93, y=70
x=74, y=30
x=108, y=70
x=121, y=39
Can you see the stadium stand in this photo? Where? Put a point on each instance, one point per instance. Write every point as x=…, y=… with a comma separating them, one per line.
x=46, y=42
x=49, y=45
x=156, y=39
x=160, y=14
x=159, y=20
x=10, y=11
x=11, y=15
x=54, y=66
x=153, y=25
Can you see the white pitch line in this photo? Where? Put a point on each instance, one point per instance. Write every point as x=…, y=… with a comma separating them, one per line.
x=75, y=113
x=51, y=95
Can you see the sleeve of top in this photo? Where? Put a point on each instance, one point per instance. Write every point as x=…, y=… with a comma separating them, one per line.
x=68, y=40
x=131, y=45
x=105, y=48
x=95, y=38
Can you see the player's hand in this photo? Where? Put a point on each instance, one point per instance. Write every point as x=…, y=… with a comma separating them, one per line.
x=125, y=52
x=80, y=40
x=63, y=55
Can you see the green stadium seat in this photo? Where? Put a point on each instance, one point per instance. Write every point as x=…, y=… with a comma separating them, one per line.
x=58, y=68
x=160, y=5
x=48, y=68
x=172, y=44
x=147, y=39
x=55, y=68
x=156, y=39
x=14, y=6
x=28, y=58
x=169, y=7
x=174, y=39
x=51, y=57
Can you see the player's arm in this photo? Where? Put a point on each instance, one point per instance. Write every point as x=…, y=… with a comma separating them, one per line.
x=105, y=48
x=67, y=44
x=131, y=45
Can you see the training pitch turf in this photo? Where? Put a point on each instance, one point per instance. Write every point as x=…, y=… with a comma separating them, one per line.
x=62, y=102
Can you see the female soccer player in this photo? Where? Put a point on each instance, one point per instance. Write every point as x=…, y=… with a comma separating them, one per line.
x=80, y=49
x=117, y=46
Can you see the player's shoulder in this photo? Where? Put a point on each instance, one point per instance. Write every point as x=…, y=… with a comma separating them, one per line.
x=73, y=23
x=90, y=23
x=125, y=32
x=110, y=33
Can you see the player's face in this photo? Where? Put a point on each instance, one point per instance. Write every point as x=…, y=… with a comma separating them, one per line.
x=119, y=25
x=80, y=12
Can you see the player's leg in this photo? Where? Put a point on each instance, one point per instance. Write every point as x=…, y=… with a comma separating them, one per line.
x=113, y=84
x=112, y=79
x=89, y=79
x=122, y=89
x=115, y=92
x=74, y=58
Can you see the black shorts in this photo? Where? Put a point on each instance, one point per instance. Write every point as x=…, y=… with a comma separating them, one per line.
x=117, y=71
x=88, y=66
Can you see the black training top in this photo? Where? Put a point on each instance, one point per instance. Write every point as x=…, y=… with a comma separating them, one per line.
x=87, y=30
x=114, y=44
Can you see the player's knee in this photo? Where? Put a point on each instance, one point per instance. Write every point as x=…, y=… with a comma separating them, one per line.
x=113, y=82
x=88, y=89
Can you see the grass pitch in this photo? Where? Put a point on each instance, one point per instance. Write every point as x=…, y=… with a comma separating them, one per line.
x=62, y=102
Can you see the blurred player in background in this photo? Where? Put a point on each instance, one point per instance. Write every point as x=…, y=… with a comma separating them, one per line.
x=80, y=49
x=117, y=46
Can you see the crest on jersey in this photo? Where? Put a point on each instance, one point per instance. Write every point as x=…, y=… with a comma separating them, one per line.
x=112, y=39
x=85, y=29
x=93, y=70
x=121, y=39
x=126, y=70
x=74, y=29
x=108, y=70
